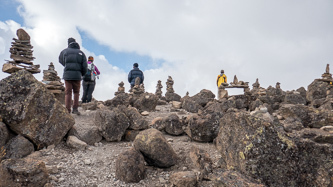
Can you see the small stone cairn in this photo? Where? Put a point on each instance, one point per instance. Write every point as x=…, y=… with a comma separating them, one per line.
x=327, y=75
x=21, y=53
x=53, y=83
x=121, y=88
x=159, y=87
x=169, y=84
x=138, y=89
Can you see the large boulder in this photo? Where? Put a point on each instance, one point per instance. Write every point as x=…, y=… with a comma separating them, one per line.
x=198, y=101
x=173, y=125
x=17, y=147
x=225, y=178
x=256, y=145
x=29, y=109
x=112, y=123
x=294, y=98
x=172, y=97
x=308, y=116
x=190, y=105
x=155, y=149
x=23, y=172
x=202, y=128
x=184, y=179
x=88, y=133
x=145, y=102
x=118, y=100
x=130, y=166
x=317, y=90
x=137, y=121
x=4, y=134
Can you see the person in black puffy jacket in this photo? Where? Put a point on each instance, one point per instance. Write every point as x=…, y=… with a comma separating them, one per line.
x=75, y=66
x=134, y=73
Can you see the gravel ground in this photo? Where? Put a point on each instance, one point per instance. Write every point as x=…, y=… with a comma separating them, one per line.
x=95, y=166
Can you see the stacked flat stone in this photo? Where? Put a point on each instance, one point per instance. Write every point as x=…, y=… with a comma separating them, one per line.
x=169, y=84
x=121, y=89
x=52, y=80
x=21, y=53
x=53, y=83
x=159, y=87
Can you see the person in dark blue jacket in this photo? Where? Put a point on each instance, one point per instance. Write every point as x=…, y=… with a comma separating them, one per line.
x=134, y=73
x=75, y=66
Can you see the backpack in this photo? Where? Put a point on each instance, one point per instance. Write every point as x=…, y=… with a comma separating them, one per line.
x=89, y=76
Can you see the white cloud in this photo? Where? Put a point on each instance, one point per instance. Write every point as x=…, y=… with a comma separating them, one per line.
x=276, y=41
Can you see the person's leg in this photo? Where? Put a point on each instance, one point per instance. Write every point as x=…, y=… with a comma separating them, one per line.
x=76, y=90
x=68, y=95
x=90, y=91
x=85, y=87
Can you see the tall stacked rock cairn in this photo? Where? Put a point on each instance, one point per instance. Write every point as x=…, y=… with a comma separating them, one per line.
x=21, y=53
x=53, y=83
x=170, y=94
x=121, y=89
x=159, y=87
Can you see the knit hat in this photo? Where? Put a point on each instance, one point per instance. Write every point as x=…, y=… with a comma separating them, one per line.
x=70, y=40
x=90, y=58
x=136, y=65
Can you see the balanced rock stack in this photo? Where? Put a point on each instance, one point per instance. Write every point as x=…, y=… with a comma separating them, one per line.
x=53, y=83
x=21, y=53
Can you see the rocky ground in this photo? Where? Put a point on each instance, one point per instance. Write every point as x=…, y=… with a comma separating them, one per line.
x=95, y=166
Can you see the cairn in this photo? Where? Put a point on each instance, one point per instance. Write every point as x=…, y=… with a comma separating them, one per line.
x=256, y=85
x=53, y=83
x=327, y=75
x=169, y=84
x=21, y=53
x=121, y=88
x=159, y=87
x=137, y=88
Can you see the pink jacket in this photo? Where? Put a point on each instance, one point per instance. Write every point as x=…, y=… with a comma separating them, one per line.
x=96, y=69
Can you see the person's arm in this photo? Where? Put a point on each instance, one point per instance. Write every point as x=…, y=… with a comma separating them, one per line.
x=61, y=58
x=217, y=80
x=143, y=77
x=97, y=71
x=84, y=65
x=130, y=76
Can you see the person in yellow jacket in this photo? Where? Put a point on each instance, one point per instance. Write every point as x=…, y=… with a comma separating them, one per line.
x=222, y=78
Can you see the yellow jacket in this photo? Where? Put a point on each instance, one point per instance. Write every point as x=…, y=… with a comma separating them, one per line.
x=221, y=79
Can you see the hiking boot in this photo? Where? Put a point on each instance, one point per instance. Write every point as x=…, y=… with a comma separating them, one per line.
x=76, y=111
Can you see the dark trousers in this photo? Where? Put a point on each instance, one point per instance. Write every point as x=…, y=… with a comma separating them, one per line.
x=71, y=85
x=88, y=89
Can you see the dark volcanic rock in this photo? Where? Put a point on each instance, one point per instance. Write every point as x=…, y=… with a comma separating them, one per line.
x=29, y=109
x=112, y=123
x=120, y=99
x=17, y=147
x=294, y=98
x=317, y=90
x=145, y=102
x=4, y=134
x=87, y=133
x=232, y=178
x=137, y=121
x=130, y=166
x=197, y=102
x=155, y=149
x=190, y=105
x=173, y=125
x=201, y=160
x=172, y=97
x=258, y=147
x=184, y=179
x=202, y=128
x=23, y=172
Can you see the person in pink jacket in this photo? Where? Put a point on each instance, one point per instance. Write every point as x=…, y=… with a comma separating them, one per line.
x=89, y=80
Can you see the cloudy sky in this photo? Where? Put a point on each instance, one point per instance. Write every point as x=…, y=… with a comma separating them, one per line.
x=286, y=41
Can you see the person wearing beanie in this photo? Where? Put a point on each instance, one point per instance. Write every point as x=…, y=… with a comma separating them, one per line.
x=134, y=73
x=89, y=83
x=222, y=78
x=75, y=66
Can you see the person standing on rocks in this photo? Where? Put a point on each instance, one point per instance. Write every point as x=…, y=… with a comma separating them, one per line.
x=75, y=66
x=222, y=78
x=134, y=73
x=89, y=83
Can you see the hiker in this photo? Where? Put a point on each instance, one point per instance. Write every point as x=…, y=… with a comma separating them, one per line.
x=222, y=78
x=75, y=66
x=89, y=80
x=134, y=73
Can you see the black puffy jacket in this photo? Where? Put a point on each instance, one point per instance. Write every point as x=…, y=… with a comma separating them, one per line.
x=74, y=61
x=133, y=74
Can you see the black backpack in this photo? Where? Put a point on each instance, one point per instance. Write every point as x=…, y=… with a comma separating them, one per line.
x=89, y=76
